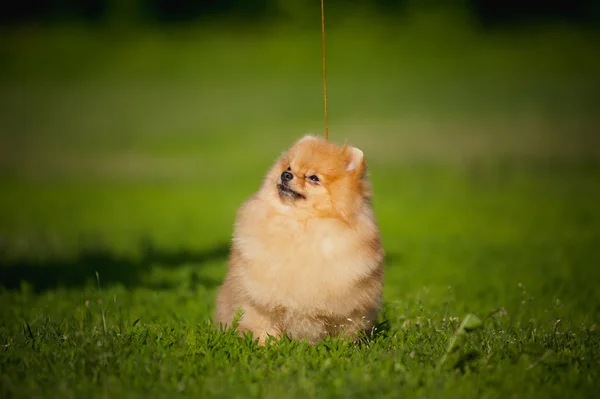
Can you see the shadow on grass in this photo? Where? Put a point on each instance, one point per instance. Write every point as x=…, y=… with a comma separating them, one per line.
x=52, y=272
x=45, y=274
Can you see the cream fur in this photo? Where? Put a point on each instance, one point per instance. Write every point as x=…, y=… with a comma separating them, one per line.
x=306, y=267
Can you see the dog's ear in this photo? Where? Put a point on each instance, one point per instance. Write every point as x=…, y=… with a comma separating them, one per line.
x=355, y=161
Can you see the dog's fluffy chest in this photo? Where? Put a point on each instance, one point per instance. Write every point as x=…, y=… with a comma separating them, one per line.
x=284, y=246
x=301, y=265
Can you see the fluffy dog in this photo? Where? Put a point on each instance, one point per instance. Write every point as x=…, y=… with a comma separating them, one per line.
x=306, y=260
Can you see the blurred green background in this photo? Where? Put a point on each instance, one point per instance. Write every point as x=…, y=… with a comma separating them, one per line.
x=130, y=132
x=153, y=120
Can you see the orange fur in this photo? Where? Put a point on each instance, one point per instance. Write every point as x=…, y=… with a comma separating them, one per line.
x=306, y=263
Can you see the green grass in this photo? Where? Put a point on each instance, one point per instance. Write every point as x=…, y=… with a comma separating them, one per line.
x=526, y=243
x=120, y=176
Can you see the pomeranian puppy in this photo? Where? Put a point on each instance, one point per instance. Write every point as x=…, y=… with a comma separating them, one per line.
x=306, y=259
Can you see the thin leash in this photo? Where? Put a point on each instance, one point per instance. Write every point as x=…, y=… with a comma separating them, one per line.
x=324, y=70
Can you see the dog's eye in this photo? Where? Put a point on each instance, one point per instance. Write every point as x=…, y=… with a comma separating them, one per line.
x=314, y=178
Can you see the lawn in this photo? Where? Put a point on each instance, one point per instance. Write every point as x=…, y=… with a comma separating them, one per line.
x=123, y=160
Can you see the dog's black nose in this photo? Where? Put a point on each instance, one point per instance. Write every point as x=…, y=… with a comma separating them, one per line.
x=286, y=176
